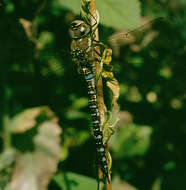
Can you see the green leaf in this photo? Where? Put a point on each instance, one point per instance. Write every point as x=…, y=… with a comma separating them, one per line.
x=132, y=140
x=74, y=114
x=73, y=5
x=119, y=184
x=7, y=158
x=121, y=14
x=169, y=165
x=45, y=38
x=80, y=103
x=33, y=170
x=74, y=181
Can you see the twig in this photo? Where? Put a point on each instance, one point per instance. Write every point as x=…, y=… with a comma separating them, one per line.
x=99, y=87
x=6, y=132
x=99, y=82
x=31, y=27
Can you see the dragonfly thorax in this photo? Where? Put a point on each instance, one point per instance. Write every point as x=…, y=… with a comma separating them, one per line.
x=79, y=29
x=81, y=46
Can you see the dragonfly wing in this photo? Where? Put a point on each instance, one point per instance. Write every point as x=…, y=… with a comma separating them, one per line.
x=145, y=34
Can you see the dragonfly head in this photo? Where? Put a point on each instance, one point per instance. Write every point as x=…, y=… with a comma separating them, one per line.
x=78, y=29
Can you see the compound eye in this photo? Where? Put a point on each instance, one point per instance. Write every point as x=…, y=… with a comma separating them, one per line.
x=82, y=30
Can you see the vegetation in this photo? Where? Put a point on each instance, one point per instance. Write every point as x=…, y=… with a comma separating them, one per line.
x=45, y=130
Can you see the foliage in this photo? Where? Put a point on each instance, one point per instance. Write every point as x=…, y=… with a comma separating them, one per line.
x=75, y=181
x=39, y=85
x=118, y=9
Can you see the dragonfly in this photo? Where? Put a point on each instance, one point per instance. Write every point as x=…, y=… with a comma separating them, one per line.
x=83, y=55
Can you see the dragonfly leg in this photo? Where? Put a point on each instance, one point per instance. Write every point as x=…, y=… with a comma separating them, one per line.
x=98, y=43
x=105, y=59
x=100, y=72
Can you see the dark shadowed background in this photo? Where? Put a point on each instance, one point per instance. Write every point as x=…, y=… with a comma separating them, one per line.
x=45, y=130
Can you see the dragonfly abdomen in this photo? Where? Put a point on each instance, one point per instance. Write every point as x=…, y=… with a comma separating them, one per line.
x=97, y=131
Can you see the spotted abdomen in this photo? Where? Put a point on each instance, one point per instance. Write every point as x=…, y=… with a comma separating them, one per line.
x=97, y=131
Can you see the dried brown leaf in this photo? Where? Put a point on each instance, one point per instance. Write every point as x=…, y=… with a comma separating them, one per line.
x=27, y=119
x=34, y=170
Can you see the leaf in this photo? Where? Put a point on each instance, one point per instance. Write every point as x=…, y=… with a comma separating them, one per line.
x=7, y=158
x=119, y=184
x=110, y=125
x=48, y=139
x=132, y=140
x=114, y=87
x=27, y=119
x=111, y=81
x=122, y=13
x=74, y=181
x=33, y=170
x=157, y=184
x=124, y=118
x=74, y=114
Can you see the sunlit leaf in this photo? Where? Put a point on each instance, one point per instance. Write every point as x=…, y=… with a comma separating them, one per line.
x=110, y=125
x=74, y=181
x=122, y=13
x=114, y=87
x=124, y=118
x=157, y=184
x=132, y=140
x=45, y=38
x=119, y=184
x=33, y=170
x=79, y=103
x=111, y=81
x=151, y=97
x=134, y=95
x=74, y=114
x=112, y=119
x=165, y=72
x=27, y=119
x=176, y=103
x=7, y=158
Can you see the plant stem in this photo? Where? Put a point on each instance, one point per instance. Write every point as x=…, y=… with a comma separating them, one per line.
x=6, y=132
x=99, y=87
x=99, y=82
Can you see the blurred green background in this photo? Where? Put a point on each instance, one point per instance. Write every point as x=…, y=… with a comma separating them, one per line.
x=45, y=130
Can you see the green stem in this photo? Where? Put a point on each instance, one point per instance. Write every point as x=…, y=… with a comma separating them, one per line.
x=6, y=132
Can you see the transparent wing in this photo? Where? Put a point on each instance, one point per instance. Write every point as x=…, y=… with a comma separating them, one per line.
x=142, y=35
